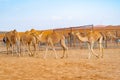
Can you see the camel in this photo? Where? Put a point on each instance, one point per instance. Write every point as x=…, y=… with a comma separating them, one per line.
x=12, y=39
x=91, y=38
x=51, y=38
x=111, y=35
x=27, y=39
x=7, y=43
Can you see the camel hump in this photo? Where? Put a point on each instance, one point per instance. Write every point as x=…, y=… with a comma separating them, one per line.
x=55, y=37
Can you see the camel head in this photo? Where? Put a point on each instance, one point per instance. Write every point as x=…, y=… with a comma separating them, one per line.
x=111, y=35
x=14, y=31
x=75, y=33
x=33, y=31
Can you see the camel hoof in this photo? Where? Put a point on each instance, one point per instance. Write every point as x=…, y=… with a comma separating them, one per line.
x=32, y=55
x=29, y=54
x=62, y=57
x=88, y=58
x=18, y=55
x=97, y=56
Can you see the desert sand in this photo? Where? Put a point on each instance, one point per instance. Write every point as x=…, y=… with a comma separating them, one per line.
x=75, y=67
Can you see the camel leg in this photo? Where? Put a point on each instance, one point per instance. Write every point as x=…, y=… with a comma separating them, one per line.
x=63, y=53
x=12, y=50
x=35, y=49
x=89, y=54
x=92, y=45
x=18, y=48
x=15, y=48
x=52, y=45
x=26, y=49
x=7, y=47
x=101, y=47
x=30, y=52
x=15, y=51
x=101, y=50
x=23, y=48
x=7, y=50
x=39, y=46
x=65, y=48
x=55, y=52
x=46, y=52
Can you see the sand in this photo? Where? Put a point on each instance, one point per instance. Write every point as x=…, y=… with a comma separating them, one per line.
x=75, y=67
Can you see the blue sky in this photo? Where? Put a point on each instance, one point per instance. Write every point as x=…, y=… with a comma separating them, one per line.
x=24, y=15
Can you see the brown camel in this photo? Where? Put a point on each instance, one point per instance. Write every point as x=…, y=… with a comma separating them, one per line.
x=51, y=38
x=91, y=38
x=27, y=39
x=12, y=39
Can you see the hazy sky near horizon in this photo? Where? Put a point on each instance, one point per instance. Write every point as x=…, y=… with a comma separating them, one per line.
x=24, y=15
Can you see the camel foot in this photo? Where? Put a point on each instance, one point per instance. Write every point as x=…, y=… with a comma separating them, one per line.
x=29, y=54
x=12, y=54
x=18, y=55
x=97, y=57
x=101, y=56
x=56, y=57
x=32, y=55
x=62, y=57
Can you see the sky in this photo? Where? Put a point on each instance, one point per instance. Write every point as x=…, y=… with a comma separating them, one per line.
x=24, y=15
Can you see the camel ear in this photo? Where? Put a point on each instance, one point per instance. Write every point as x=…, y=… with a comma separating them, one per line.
x=14, y=30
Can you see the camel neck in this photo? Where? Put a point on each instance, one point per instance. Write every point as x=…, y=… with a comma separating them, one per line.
x=83, y=39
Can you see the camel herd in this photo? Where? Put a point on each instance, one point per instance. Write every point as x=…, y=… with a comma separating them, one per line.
x=21, y=43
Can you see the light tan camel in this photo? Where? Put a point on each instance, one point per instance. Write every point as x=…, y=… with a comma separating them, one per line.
x=91, y=38
x=12, y=39
x=51, y=38
x=111, y=36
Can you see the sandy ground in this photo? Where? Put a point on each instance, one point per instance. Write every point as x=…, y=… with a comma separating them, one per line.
x=75, y=67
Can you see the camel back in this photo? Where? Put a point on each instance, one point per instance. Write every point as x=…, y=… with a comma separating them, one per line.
x=56, y=37
x=94, y=35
